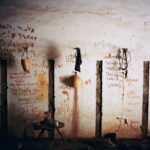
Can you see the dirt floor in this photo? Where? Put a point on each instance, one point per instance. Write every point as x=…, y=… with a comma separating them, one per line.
x=74, y=144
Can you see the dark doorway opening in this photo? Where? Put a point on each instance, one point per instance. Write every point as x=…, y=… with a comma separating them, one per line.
x=99, y=70
x=3, y=98
x=51, y=106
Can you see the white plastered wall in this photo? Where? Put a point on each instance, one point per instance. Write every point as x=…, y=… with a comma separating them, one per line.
x=99, y=28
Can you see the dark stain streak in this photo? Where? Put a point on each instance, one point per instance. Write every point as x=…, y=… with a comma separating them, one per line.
x=75, y=114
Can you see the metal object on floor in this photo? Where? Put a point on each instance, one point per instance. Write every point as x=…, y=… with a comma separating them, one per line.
x=49, y=125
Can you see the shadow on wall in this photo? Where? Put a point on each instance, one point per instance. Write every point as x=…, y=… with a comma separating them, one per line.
x=7, y=55
x=68, y=80
x=13, y=3
x=20, y=121
x=53, y=52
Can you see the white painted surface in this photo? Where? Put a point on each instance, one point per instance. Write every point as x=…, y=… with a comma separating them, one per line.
x=99, y=28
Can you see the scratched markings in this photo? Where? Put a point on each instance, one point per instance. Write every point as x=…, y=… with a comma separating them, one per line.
x=147, y=26
x=13, y=39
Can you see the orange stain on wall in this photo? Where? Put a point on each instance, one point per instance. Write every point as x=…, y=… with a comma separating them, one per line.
x=42, y=86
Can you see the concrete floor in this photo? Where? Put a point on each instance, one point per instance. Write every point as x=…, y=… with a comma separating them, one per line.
x=74, y=144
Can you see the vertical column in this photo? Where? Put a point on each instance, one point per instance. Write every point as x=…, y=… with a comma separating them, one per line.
x=3, y=98
x=145, y=99
x=98, y=99
x=0, y=98
x=51, y=93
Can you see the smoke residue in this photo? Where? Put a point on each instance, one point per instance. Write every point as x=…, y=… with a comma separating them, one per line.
x=52, y=51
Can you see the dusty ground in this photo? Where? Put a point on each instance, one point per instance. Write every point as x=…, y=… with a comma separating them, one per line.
x=74, y=144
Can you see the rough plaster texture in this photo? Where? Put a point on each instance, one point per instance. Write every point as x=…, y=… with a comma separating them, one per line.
x=99, y=28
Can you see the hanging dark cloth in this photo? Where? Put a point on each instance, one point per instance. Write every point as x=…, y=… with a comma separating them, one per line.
x=78, y=59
